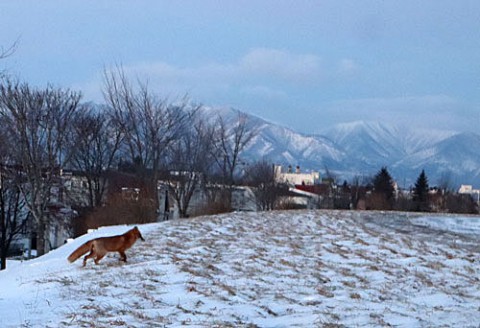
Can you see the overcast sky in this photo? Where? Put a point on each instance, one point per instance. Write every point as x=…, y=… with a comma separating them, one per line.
x=304, y=64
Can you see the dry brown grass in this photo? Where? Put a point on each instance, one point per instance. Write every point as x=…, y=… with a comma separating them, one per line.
x=355, y=296
x=349, y=284
x=325, y=292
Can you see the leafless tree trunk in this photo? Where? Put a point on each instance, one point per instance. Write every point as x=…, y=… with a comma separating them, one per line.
x=37, y=122
x=13, y=218
x=94, y=142
x=12, y=205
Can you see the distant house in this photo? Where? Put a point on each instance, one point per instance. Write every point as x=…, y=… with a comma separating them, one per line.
x=303, y=186
x=303, y=197
x=75, y=188
x=468, y=190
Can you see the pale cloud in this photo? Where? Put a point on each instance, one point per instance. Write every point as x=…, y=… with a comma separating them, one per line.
x=173, y=81
x=261, y=63
x=252, y=84
x=267, y=93
x=282, y=64
x=348, y=67
x=261, y=74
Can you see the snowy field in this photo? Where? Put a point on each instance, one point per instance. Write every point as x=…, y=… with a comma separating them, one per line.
x=278, y=269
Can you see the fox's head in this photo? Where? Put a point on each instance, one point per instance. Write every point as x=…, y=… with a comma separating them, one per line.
x=137, y=233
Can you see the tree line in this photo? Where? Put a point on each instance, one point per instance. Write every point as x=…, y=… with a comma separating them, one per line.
x=48, y=130
x=381, y=193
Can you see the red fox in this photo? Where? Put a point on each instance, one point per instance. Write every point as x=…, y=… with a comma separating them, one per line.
x=99, y=247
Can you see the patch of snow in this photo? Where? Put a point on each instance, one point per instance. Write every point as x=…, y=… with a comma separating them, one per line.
x=457, y=224
x=275, y=269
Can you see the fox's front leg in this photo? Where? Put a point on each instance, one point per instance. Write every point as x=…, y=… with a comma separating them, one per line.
x=123, y=256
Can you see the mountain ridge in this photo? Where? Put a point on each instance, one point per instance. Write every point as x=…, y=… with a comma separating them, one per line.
x=361, y=148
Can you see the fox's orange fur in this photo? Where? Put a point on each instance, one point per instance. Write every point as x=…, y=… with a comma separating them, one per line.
x=99, y=247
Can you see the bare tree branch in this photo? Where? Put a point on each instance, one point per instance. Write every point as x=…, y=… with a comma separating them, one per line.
x=149, y=123
x=190, y=159
x=94, y=144
x=7, y=52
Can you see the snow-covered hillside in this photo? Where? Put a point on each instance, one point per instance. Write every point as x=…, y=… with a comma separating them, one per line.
x=277, y=269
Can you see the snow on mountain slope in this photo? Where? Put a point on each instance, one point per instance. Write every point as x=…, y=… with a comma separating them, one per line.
x=285, y=146
x=276, y=269
x=461, y=150
x=458, y=154
x=362, y=148
x=282, y=145
x=376, y=141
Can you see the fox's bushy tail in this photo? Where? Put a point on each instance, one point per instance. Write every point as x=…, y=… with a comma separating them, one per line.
x=80, y=251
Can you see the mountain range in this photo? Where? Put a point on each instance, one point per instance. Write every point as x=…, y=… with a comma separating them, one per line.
x=360, y=149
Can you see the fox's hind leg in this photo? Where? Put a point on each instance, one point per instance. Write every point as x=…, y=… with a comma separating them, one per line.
x=89, y=256
x=123, y=256
x=99, y=257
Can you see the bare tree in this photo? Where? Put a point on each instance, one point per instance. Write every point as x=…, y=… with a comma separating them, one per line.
x=330, y=195
x=445, y=182
x=191, y=158
x=231, y=140
x=149, y=124
x=356, y=192
x=37, y=122
x=261, y=177
x=94, y=143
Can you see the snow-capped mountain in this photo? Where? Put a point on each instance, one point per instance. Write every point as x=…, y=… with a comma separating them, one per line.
x=373, y=141
x=457, y=156
x=362, y=148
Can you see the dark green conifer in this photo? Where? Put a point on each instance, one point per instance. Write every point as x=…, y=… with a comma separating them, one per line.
x=420, y=193
x=383, y=184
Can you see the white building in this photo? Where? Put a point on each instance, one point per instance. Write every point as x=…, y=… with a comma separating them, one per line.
x=297, y=177
x=468, y=189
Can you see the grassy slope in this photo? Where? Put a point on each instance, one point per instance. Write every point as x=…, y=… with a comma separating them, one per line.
x=266, y=269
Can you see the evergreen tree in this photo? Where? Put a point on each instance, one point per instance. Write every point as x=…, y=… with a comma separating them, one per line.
x=383, y=190
x=420, y=193
x=383, y=183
